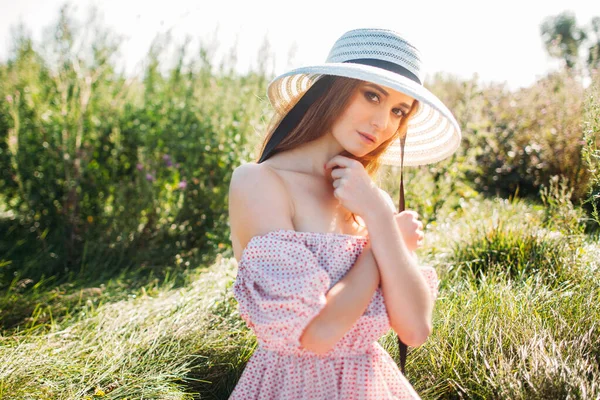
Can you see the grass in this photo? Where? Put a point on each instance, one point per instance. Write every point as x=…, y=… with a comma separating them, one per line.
x=155, y=345
x=497, y=334
x=518, y=311
x=508, y=339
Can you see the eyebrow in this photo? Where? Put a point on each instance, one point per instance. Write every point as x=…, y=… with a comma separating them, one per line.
x=386, y=93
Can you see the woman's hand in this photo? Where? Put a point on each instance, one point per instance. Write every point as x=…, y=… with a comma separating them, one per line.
x=411, y=228
x=353, y=187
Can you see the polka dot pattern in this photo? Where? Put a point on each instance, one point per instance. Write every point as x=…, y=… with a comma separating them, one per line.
x=283, y=277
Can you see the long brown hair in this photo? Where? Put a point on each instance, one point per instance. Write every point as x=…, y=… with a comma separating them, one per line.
x=320, y=117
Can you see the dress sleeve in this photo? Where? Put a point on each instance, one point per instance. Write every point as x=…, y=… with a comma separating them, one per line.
x=280, y=288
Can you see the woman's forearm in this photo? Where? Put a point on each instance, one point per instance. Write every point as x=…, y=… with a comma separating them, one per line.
x=405, y=291
x=347, y=300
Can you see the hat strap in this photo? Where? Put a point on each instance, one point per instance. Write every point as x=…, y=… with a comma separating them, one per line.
x=294, y=116
x=402, y=348
x=401, y=204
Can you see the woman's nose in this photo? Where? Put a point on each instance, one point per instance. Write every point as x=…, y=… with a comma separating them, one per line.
x=380, y=120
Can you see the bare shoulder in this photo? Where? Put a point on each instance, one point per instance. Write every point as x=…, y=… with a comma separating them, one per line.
x=258, y=203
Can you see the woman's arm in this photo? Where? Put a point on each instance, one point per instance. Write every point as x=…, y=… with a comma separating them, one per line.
x=405, y=291
x=347, y=300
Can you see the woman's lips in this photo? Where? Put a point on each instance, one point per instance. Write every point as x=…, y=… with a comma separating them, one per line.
x=366, y=138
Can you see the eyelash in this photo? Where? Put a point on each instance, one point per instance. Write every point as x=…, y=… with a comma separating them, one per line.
x=370, y=95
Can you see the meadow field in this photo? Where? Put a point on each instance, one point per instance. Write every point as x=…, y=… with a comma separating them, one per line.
x=116, y=268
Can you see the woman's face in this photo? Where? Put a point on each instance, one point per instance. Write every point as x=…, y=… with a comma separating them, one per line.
x=374, y=111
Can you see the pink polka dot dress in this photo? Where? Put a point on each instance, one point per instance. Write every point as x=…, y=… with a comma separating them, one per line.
x=283, y=277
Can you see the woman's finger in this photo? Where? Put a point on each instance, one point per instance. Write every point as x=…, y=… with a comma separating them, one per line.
x=338, y=173
x=340, y=161
x=336, y=193
x=411, y=212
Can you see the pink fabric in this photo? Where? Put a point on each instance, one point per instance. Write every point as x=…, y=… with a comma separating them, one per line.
x=281, y=283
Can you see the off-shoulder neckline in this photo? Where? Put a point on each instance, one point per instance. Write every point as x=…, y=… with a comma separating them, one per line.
x=308, y=233
x=302, y=233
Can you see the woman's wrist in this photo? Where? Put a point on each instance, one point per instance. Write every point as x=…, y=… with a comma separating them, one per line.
x=377, y=214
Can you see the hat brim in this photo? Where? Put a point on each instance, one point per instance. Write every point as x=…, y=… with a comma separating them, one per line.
x=432, y=135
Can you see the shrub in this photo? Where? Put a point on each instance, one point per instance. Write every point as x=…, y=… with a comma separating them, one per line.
x=101, y=172
x=515, y=141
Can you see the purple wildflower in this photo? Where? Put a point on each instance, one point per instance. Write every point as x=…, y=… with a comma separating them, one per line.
x=150, y=177
x=167, y=160
x=139, y=166
x=182, y=184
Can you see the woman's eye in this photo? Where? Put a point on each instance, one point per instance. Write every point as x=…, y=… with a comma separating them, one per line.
x=399, y=112
x=372, y=96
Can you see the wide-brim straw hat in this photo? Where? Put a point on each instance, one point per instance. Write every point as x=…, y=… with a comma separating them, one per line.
x=383, y=57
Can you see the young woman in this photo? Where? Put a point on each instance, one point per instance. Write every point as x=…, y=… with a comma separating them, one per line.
x=325, y=264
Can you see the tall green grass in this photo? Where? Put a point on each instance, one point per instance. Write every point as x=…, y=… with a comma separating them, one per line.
x=591, y=149
x=157, y=343
x=495, y=335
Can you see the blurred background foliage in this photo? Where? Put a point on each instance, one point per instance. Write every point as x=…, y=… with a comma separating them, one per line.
x=120, y=171
x=100, y=172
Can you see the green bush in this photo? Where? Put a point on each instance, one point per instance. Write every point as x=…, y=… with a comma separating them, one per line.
x=101, y=172
x=515, y=141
